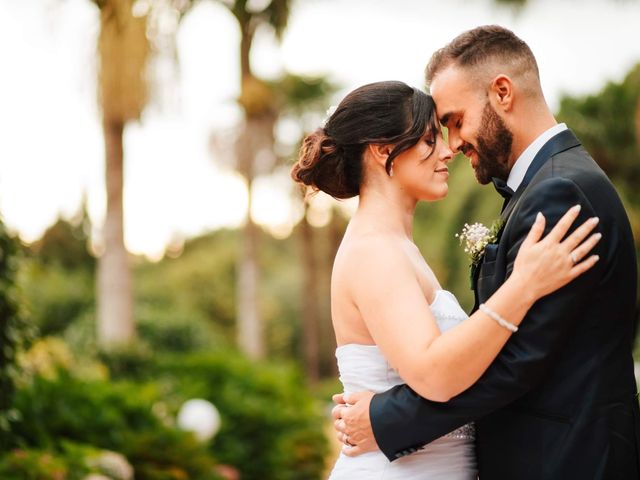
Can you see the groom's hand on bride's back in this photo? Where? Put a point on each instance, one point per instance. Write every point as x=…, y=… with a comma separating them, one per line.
x=352, y=423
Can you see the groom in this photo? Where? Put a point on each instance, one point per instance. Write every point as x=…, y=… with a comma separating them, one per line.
x=559, y=402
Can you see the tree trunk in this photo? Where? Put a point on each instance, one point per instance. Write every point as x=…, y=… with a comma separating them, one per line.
x=246, y=40
x=256, y=99
x=250, y=331
x=310, y=306
x=114, y=297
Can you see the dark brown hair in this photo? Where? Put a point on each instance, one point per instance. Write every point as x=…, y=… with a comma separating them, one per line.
x=391, y=112
x=481, y=46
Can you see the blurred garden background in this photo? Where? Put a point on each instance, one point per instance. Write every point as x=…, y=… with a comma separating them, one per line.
x=153, y=249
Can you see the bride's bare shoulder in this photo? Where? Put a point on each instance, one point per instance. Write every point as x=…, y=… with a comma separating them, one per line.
x=369, y=252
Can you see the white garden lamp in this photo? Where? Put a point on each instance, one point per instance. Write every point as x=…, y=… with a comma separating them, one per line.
x=200, y=417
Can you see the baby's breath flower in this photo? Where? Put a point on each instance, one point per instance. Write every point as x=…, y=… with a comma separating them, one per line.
x=475, y=237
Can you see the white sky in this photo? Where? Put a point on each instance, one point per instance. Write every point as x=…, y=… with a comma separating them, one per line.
x=51, y=148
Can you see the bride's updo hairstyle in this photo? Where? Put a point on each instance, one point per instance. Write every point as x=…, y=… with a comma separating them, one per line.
x=383, y=113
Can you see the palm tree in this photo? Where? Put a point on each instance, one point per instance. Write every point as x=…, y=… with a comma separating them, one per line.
x=303, y=99
x=123, y=51
x=254, y=143
x=124, y=48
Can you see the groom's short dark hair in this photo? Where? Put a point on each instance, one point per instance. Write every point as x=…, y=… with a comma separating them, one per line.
x=482, y=46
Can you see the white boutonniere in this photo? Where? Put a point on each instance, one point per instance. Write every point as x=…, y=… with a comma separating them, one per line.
x=474, y=239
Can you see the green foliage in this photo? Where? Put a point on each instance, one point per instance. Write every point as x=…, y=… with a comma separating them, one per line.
x=72, y=462
x=274, y=13
x=130, y=360
x=55, y=295
x=36, y=464
x=94, y=412
x=75, y=461
x=188, y=303
x=199, y=284
x=182, y=304
x=65, y=244
x=280, y=296
x=607, y=124
x=298, y=95
x=176, y=329
x=271, y=427
x=169, y=455
x=57, y=277
x=117, y=416
x=14, y=332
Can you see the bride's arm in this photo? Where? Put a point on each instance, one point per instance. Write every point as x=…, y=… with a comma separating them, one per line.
x=439, y=366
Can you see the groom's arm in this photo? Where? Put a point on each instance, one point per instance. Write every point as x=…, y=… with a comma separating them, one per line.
x=402, y=421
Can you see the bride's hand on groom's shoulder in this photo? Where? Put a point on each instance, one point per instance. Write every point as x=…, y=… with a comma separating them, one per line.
x=352, y=423
x=544, y=264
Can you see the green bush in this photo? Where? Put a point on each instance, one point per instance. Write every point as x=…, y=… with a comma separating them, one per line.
x=93, y=412
x=56, y=296
x=117, y=416
x=65, y=244
x=201, y=280
x=169, y=455
x=176, y=329
x=271, y=427
x=130, y=361
x=72, y=462
x=14, y=332
x=58, y=276
x=37, y=464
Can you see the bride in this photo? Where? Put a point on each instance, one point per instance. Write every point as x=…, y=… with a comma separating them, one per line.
x=393, y=321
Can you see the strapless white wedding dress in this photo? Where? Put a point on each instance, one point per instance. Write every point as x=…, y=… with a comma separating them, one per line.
x=452, y=457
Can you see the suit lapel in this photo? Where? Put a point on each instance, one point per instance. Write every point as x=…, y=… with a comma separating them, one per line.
x=556, y=144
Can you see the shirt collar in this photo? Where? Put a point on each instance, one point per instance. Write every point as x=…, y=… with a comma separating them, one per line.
x=519, y=169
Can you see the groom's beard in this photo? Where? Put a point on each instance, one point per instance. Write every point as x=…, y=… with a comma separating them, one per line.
x=494, y=147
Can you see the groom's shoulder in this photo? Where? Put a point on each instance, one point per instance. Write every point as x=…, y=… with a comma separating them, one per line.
x=573, y=175
x=577, y=166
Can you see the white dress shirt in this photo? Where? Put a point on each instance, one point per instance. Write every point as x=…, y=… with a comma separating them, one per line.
x=519, y=169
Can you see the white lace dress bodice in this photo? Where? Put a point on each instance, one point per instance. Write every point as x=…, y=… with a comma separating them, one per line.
x=363, y=367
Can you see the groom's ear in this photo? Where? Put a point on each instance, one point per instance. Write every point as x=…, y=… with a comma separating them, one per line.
x=501, y=92
x=379, y=153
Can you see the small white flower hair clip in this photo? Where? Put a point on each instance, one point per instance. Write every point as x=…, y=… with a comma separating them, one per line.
x=330, y=111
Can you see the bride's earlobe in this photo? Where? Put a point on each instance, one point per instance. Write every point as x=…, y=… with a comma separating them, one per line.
x=380, y=153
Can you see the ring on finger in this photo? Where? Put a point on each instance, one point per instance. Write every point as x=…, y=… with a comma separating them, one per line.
x=346, y=441
x=574, y=258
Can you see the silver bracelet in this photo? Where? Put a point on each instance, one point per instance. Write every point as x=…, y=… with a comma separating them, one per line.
x=501, y=321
